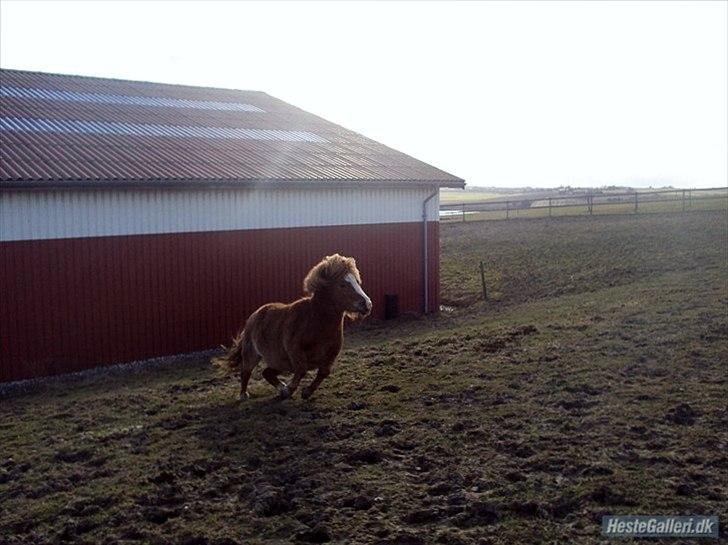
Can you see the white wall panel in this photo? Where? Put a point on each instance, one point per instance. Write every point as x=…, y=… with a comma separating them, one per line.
x=41, y=214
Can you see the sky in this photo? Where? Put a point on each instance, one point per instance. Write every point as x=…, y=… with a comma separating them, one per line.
x=505, y=94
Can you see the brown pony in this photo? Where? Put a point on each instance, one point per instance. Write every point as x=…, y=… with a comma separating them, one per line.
x=304, y=335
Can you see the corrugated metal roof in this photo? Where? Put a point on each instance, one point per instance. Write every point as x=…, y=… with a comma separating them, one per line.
x=57, y=129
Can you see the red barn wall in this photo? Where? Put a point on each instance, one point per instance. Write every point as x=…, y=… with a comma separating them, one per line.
x=73, y=303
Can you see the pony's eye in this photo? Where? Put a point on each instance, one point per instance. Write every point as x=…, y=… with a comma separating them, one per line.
x=344, y=284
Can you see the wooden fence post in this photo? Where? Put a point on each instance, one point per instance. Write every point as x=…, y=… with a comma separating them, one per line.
x=549, y=206
x=482, y=279
x=683, y=200
x=463, y=212
x=635, y=202
x=507, y=209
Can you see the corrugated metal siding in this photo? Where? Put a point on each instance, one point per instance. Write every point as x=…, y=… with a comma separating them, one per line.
x=30, y=215
x=71, y=304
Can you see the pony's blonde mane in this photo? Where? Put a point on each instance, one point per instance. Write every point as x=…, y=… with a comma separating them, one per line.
x=330, y=269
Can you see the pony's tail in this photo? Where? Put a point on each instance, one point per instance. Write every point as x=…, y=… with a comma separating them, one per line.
x=233, y=357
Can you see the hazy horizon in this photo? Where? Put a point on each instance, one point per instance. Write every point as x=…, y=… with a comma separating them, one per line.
x=501, y=94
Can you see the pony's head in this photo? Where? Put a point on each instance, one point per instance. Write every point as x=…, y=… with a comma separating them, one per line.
x=338, y=277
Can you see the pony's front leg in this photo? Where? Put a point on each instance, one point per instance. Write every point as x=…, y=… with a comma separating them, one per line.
x=308, y=391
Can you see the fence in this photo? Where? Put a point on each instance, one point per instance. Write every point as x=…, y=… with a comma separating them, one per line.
x=634, y=202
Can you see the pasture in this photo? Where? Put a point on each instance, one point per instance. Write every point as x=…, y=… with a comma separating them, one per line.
x=448, y=197
x=592, y=381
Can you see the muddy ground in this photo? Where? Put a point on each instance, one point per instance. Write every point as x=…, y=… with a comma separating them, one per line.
x=592, y=382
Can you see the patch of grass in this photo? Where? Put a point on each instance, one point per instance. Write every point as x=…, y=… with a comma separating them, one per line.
x=518, y=420
x=526, y=260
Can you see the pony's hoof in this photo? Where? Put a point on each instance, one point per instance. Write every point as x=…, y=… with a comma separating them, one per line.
x=284, y=392
x=243, y=396
x=306, y=393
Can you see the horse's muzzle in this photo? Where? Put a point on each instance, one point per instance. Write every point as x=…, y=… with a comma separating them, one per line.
x=364, y=307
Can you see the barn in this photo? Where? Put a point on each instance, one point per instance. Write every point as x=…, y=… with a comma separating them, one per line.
x=140, y=220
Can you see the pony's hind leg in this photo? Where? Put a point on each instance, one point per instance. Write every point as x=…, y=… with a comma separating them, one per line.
x=250, y=358
x=284, y=390
x=271, y=375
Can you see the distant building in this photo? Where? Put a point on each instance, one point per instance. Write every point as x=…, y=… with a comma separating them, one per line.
x=140, y=219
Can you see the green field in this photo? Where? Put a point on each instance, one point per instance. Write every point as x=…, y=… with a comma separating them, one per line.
x=592, y=381
x=450, y=197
